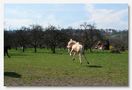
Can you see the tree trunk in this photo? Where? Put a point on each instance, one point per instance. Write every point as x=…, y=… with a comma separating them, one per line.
x=90, y=49
x=16, y=48
x=35, y=49
x=53, y=49
x=23, y=49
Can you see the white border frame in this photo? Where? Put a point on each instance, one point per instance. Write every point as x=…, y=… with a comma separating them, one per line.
x=2, y=2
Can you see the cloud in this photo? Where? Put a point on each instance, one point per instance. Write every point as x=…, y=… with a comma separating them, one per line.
x=17, y=23
x=102, y=17
x=18, y=13
x=17, y=17
x=45, y=21
x=50, y=20
x=107, y=18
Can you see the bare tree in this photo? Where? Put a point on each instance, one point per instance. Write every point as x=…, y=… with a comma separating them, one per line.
x=53, y=37
x=21, y=37
x=36, y=35
x=91, y=35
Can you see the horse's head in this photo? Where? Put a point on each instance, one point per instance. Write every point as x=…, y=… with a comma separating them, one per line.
x=71, y=43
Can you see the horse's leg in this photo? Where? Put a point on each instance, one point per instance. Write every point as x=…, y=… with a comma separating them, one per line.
x=80, y=58
x=73, y=56
x=71, y=52
x=68, y=50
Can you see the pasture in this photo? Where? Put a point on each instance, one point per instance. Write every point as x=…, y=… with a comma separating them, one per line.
x=46, y=69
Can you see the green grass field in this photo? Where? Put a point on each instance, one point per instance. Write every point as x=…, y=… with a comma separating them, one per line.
x=47, y=69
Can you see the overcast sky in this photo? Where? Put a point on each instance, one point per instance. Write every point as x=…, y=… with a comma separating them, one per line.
x=113, y=16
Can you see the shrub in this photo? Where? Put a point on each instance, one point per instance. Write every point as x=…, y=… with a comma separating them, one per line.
x=115, y=50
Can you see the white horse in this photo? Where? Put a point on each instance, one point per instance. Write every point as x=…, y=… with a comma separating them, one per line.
x=76, y=48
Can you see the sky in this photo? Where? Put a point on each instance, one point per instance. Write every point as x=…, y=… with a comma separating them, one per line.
x=104, y=16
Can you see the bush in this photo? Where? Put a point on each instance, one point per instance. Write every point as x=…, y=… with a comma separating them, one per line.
x=114, y=50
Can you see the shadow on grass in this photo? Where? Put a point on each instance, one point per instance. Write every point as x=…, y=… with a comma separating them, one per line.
x=51, y=53
x=12, y=74
x=94, y=66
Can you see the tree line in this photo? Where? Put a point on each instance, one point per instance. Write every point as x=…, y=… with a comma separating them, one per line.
x=52, y=37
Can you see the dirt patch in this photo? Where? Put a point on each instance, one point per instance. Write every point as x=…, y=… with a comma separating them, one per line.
x=68, y=81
